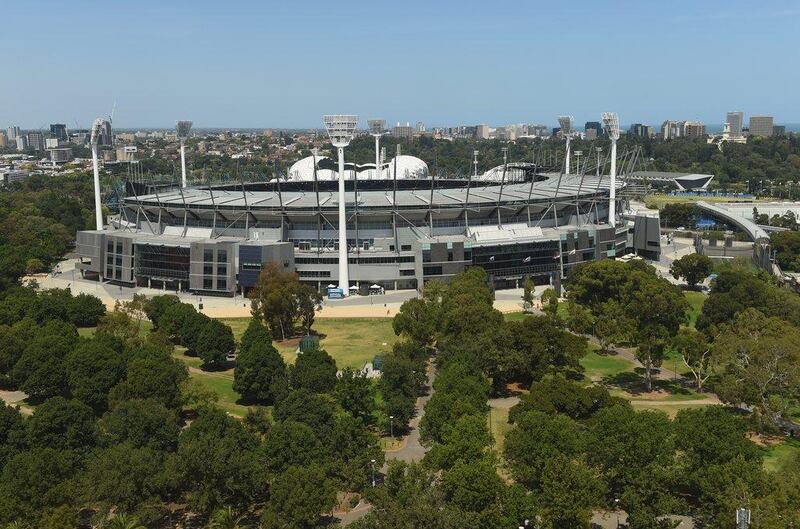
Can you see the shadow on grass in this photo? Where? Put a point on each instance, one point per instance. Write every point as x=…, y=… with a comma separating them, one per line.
x=634, y=383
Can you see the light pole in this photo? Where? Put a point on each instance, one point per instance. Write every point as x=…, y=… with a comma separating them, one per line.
x=475, y=163
x=565, y=122
x=372, y=461
x=98, y=127
x=340, y=129
x=578, y=155
x=599, y=150
x=616, y=510
x=611, y=123
x=183, y=128
x=391, y=426
x=376, y=127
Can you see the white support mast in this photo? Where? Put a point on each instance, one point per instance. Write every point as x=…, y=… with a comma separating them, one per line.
x=340, y=130
x=183, y=128
x=611, y=124
x=565, y=122
x=376, y=128
x=98, y=127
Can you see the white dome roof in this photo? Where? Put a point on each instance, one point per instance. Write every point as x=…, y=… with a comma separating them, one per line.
x=407, y=167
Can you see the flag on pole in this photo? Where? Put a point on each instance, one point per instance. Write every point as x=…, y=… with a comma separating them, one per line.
x=572, y=252
x=527, y=259
x=557, y=256
x=491, y=259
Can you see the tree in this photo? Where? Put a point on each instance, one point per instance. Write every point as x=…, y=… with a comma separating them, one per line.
x=465, y=440
x=62, y=424
x=291, y=443
x=256, y=332
x=314, y=370
x=550, y=302
x=557, y=395
x=156, y=378
x=309, y=301
x=63, y=517
x=569, y=491
x=197, y=396
x=94, y=367
x=527, y=294
x=40, y=372
x=417, y=319
x=140, y=423
x=760, y=359
x=535, y=440
x=297, y=499
x=356, y=394
x=125, y=321
x=218, y=463
x=125, y=476
x=693, y=267
x=157, y=306
x=13, y=434
x=173, y=318
x=580, y=319
x=695, y=351
x=258, y=367
x=274, y=301
x=214, y=342
x=86, y=310
x=227, y=518
x=473, y=485
x=612, y=326
x=312, y=409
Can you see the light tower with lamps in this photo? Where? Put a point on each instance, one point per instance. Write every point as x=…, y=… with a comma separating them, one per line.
x=475, y=162
x=183, y=127
x=340, y=130
x=98, y=129
x=565, y=122
x=611, y=124
x=376, y=128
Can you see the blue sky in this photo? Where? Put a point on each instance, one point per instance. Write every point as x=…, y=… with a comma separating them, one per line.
x=284, y=64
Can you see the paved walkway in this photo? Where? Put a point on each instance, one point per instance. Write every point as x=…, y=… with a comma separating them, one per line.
x=412, y=450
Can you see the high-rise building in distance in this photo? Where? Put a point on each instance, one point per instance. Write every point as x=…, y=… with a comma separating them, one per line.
x=13, y=132
x=59, y=131
x=598, y=128
x=482, y=132
x=22, y=142
x=3, y=139
x=694, y=129
x=403, y=131
x=779, y=130
x=638, y=129
x=36, y=141
x=761, y=126
x=735, y=120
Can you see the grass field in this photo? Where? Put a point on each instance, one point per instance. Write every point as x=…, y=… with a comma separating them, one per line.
x=352, y=342
x=776, y=456
x=696, y=300
x=498, y=425
x=601, y=366
x=670, y=409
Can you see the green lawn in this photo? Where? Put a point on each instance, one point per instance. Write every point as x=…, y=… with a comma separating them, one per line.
x=696, y=300
x=600, y=366
x=352, y=342
x=776, y=456
x=498, y=425
x=670, y=409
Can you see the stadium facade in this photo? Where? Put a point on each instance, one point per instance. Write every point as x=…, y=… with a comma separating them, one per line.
x=404, y=228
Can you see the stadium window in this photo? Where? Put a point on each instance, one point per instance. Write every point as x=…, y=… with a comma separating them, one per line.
x=110, y=246
x=222, y=284
x=207, y=283
x=449, y=255
x=119, y=247
x=208, y=255
x=208, y=269
x=222, y=269
x=222, y=256
x=409, y=272
x=391, y=247
x=405, y=247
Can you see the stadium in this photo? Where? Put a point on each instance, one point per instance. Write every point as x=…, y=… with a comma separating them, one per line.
x=403, y=227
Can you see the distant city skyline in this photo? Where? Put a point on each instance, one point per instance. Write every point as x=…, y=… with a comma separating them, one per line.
x=283, y=65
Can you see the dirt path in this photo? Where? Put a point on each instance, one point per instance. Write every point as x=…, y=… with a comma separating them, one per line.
x=16, y=398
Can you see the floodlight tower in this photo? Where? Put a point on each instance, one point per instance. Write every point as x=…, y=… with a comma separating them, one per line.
x=376, y=128
x=611, y=124
x=98, y=128
x=565, y=122
x=340, y=130
x=475, y=163
x=183, y=128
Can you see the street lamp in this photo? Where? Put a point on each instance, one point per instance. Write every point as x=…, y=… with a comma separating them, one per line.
x=376, y=128
x=616, y=509
x=391, y=426
x=565, y=122
x=373, y=471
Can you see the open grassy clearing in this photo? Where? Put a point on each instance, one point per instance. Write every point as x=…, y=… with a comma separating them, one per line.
x=658, y=200
x=778, y=455
x=499, y=426
x=696, y=300
x=352, y=342
x=670, y=408
x=601, y=366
